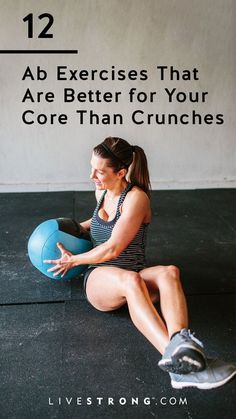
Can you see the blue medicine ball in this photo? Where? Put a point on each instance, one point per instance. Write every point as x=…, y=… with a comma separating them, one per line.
x=43, y=244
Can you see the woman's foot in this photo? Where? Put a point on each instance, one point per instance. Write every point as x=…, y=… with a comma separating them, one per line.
x=216, y=374
x=183, y=355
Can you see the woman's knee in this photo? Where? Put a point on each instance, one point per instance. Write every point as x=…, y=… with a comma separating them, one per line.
x=170, y=276
x=132, y=281
x=173, y=271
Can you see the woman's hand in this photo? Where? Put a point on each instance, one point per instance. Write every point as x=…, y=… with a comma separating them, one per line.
x=63, y=264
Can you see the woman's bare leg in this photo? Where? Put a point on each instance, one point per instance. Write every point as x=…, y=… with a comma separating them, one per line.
x=165, y=280
x=109, y=288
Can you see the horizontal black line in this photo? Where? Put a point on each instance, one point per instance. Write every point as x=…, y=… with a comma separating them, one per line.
x=22, y=303
x=38, y=51
x=26, y=303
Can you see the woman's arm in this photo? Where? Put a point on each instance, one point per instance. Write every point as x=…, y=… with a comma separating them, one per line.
x=86, y=224
x=134, y=211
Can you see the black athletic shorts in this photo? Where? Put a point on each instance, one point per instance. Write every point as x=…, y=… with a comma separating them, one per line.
x=86, y=275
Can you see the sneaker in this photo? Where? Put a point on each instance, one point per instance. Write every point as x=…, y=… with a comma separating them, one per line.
x=215, y=375
x=183, y=355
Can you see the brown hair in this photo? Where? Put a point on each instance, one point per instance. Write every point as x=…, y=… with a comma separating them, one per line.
x=120, y=154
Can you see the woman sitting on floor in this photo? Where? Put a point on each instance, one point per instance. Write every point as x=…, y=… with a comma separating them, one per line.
x=117, y=272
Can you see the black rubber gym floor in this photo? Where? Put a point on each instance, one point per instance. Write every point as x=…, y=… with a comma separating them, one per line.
x=60, y=358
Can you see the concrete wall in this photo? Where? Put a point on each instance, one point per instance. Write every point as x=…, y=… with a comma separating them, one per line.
x=127, y=34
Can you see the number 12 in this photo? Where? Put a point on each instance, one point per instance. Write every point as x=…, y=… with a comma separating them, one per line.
x=43, y=34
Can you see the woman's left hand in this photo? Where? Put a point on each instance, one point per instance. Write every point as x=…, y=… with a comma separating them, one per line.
x=63, y=264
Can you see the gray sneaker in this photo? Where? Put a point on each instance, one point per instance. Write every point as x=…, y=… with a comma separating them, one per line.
x=184, y=354
x=215, y=375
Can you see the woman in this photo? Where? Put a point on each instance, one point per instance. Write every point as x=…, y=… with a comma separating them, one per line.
x=117, y=272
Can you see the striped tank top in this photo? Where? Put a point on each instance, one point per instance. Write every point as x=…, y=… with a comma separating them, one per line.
x=133, y=257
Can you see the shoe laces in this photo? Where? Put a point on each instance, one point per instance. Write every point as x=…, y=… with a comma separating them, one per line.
x=191, y=336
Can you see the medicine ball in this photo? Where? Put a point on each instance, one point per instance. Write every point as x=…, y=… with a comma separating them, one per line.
x=43, y=244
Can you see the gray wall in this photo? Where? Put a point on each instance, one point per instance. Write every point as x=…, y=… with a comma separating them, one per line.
x=129, y=34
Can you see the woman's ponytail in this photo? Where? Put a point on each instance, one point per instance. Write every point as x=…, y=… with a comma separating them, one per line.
x=138, y=172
